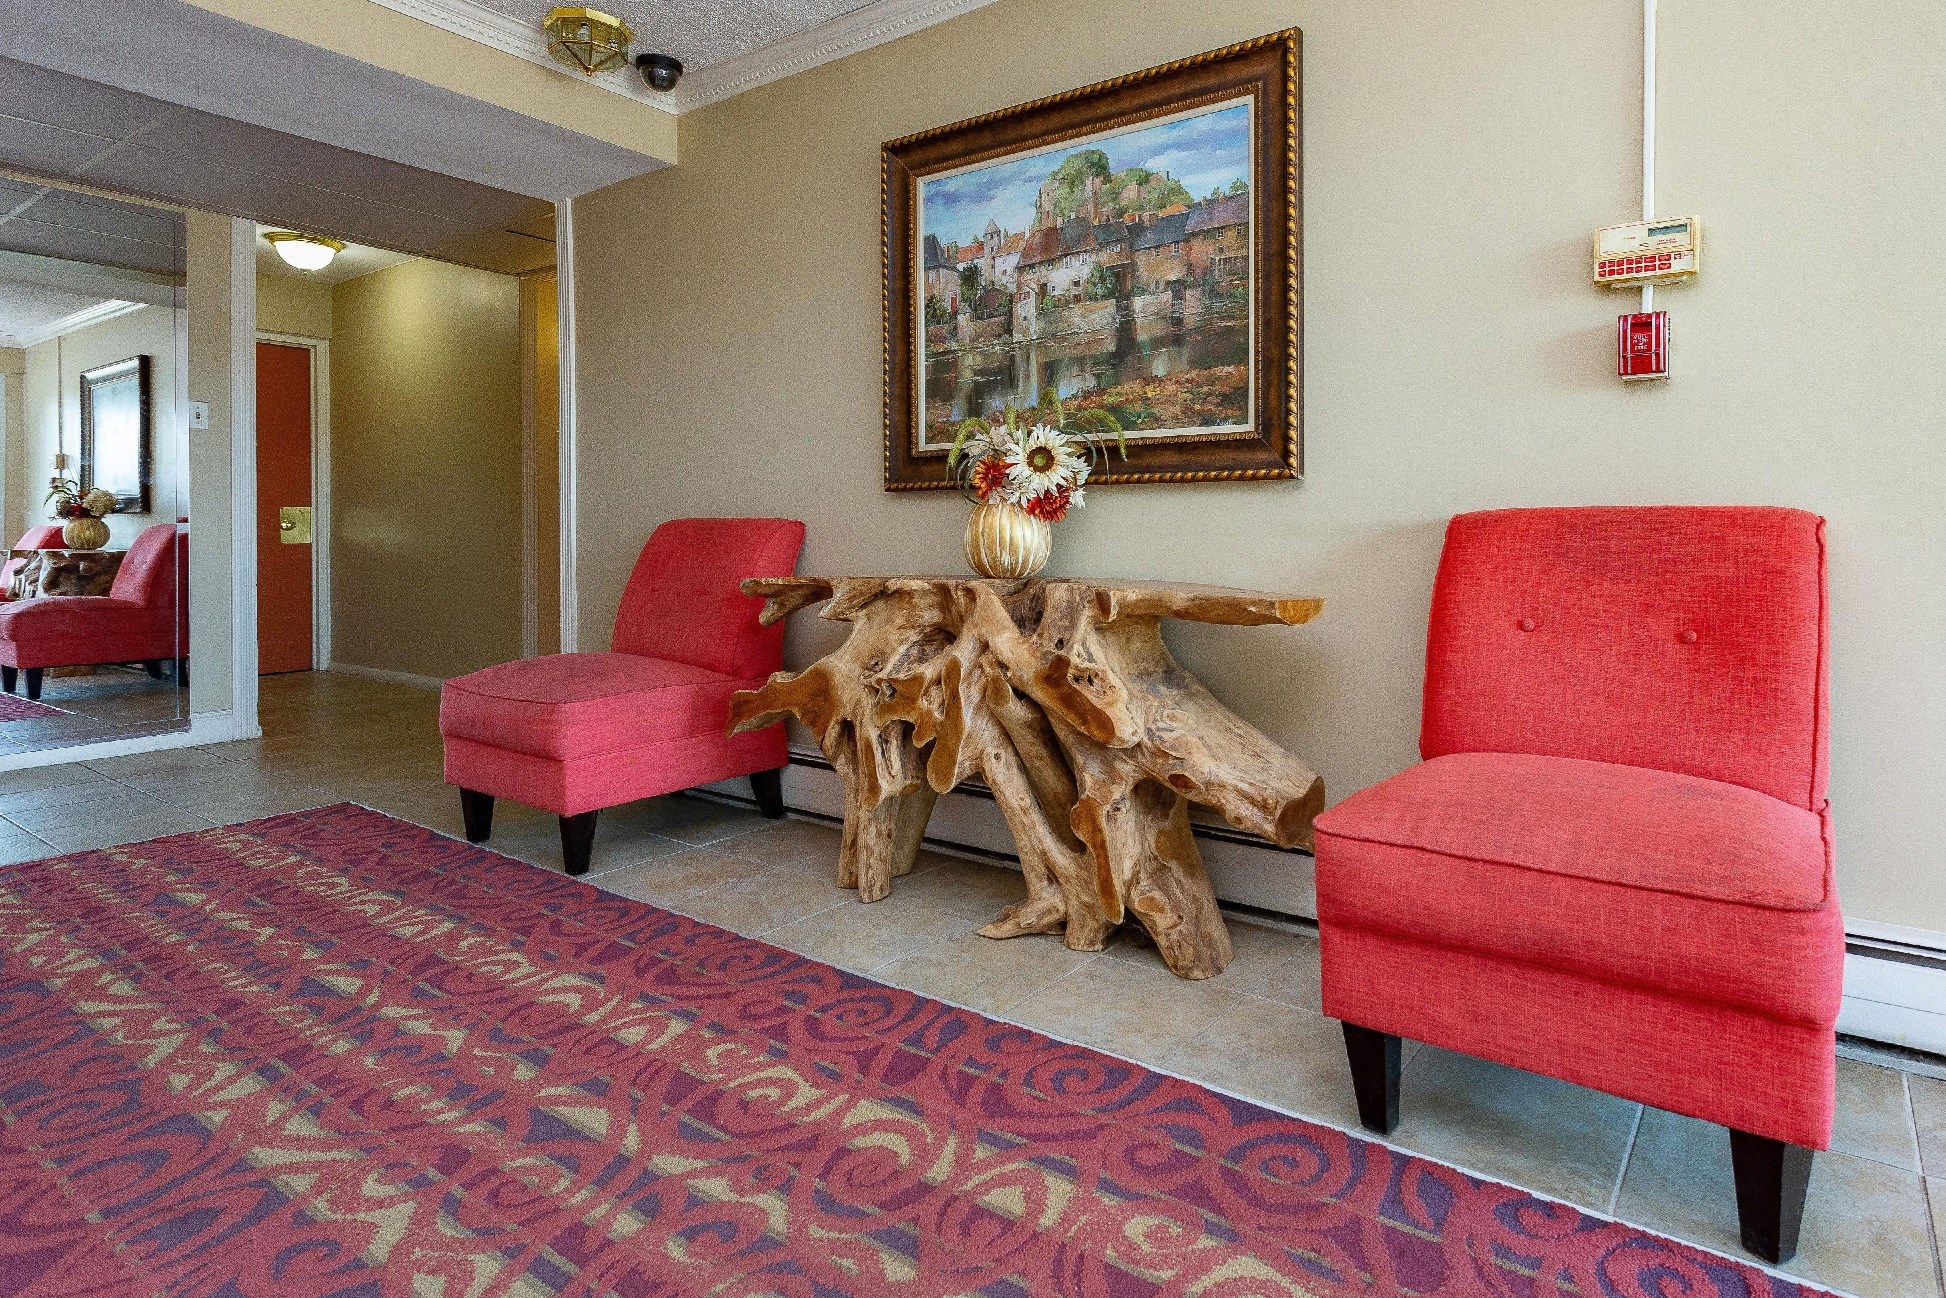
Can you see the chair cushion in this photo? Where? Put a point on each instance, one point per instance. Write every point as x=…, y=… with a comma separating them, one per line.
x=568, y=706
x=1595, y=820
x=1622, y=873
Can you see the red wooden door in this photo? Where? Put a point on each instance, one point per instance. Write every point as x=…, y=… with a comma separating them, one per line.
x=283, y=483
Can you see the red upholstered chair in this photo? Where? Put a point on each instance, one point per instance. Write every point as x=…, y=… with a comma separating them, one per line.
x=44, y=536
x=573, y=733
x=140, y=620
x=1614, y=864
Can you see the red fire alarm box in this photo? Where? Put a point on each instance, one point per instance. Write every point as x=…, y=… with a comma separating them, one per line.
x=1642, y=346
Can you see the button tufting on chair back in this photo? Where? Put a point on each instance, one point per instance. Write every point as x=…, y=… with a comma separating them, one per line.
x=1682, y=638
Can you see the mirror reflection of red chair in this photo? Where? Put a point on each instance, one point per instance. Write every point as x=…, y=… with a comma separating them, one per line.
x=1614, y=864
x=43, y=536
x=142, y=618
x=574, y=733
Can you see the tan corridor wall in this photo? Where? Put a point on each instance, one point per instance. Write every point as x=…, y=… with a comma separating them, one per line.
x=289, y=305
x=1456, y=160
x=425, y=469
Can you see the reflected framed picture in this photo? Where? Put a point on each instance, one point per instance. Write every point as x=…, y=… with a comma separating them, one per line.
x=117, y=432
x=1132, y=247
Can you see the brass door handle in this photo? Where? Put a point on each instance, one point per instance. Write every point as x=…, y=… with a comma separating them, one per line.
x=294, y=523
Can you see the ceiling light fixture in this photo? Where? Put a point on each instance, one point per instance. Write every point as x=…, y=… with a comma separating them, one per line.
x=304, y=251
x=587, y=39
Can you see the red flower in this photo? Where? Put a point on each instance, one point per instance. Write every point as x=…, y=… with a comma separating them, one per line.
x=1050, y=505
x=988, y=475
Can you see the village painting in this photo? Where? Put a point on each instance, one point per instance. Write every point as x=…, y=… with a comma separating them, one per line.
x=1113, y=271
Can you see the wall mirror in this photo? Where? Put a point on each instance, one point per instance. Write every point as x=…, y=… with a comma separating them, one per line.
x=117, y=432
x=94, y=501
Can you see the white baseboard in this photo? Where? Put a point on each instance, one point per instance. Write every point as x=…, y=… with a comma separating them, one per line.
x=1900, y=1001
x=203, y=728
x=386, y=675
x=1897, y=997
x=1247, y=873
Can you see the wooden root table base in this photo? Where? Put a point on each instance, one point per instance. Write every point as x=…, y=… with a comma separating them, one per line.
x=1061, y=696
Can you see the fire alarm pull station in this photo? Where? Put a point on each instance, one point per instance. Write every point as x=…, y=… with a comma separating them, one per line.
x=1642, y=346
x=1647, y=252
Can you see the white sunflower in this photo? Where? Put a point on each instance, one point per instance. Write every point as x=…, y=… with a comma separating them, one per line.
x=1044, y=462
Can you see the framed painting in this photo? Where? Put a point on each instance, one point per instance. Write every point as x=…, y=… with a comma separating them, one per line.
x=1132, y=247
x=117, y=432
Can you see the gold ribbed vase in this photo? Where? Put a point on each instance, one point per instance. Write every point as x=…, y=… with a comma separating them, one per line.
x=90, y=533
x=1004, y=540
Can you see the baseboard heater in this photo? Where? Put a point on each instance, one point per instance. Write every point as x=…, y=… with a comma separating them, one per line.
x=1895, y=982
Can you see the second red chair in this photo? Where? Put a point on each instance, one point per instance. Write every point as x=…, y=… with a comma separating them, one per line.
x=574, y=733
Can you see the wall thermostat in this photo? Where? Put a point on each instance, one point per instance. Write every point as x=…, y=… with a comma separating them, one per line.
x=1647, y=252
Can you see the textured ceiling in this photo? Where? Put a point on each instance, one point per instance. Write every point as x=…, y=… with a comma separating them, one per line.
x=46, y=221
x=27, y=309
x=66, y=127
x=186, y=55
x=703, y=33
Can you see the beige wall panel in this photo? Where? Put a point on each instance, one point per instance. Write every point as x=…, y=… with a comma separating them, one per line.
x=425, y=469
x=13, y=442
x=212, y=245
x=541, y=321
x=286, y=305
x=1457, y=158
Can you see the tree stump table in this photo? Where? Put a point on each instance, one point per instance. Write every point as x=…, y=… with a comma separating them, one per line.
x=1061, y=696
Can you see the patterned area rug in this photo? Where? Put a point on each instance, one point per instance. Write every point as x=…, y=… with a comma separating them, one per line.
x=334, y=1053
x=15, y=708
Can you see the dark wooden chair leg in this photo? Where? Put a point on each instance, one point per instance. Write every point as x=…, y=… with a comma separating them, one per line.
x=768, y=786
x=1771, y=1180
x=153, y=666
x=578, y=841
x=1375, y=1066
x=34, y=683
x=477, y=810
x=9, y=678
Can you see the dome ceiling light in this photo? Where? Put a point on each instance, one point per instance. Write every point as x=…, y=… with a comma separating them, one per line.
x=304, y=251
x=587, y=39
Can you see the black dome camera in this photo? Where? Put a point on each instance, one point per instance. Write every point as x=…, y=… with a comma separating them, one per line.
x=661, y=71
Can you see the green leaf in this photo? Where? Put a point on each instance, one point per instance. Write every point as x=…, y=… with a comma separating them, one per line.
x=967, y=428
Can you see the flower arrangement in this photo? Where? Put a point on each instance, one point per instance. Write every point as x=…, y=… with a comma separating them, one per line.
x=70, y=501
x=1037, y=460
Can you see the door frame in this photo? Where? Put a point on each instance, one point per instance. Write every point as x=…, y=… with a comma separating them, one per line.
x=320, y=349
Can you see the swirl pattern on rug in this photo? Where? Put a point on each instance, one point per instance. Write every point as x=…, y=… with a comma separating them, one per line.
x=332, y=1053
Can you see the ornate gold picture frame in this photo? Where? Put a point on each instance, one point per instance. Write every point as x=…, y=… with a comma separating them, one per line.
x=1134, y=246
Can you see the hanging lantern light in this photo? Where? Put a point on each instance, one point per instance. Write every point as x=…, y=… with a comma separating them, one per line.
x=587, y=39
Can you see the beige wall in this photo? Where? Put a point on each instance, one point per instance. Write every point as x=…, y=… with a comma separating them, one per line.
x=288, y=305
x=425, y=469
x=13, y=440
x=541, y=382
x=51, y=418
x=733, y=365
x=222, y=317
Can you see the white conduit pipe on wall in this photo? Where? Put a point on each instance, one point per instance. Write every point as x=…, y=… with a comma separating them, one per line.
x=1648, y=130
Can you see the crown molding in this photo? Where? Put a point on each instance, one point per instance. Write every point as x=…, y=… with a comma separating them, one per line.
x=67, y=324
x=861, y=29
x=523, y=40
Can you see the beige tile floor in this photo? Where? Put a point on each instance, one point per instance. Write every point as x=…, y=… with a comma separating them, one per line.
x=1878, y=1198
x=97, y=703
